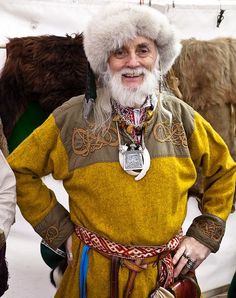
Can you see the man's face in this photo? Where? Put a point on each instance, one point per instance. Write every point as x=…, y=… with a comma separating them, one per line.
x=135, y=54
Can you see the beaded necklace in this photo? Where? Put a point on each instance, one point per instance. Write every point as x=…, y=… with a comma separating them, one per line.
x=134, y=121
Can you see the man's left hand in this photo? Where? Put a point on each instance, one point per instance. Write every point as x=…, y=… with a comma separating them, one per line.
x=190, y=254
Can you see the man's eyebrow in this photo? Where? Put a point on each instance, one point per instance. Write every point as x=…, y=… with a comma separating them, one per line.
x=119, y=48
x=143, y=44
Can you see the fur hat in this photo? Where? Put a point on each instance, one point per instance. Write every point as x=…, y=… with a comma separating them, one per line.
x=116, y=24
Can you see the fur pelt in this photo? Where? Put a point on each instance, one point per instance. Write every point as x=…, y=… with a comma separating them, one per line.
x=57, y=273
x=3, y=141
x=206, y=72
x=204, y=76
x=3, y=271
x=48, y=69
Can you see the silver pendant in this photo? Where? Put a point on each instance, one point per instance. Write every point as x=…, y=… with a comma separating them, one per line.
x=133, y=158
x=145, y=158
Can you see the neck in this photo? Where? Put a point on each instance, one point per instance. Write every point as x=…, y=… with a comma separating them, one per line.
x=133, y=120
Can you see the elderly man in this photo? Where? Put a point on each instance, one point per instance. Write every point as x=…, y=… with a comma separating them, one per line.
x=7, y=215
x=127, y=166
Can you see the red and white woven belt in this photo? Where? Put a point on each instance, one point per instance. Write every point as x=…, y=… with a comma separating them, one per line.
x=111, y=248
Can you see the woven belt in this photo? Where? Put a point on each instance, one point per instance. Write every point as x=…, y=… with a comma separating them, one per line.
x=135, y=258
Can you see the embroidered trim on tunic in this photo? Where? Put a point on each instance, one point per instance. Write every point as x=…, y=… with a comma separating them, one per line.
x=174, y=133
x=56, y=226
x=85, y=141
x=208, y=229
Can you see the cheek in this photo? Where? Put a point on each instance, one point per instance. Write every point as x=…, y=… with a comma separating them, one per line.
x=150, y=63
x=115, y=65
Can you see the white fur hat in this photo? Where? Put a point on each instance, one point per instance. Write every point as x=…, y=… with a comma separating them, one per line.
x=116, y=24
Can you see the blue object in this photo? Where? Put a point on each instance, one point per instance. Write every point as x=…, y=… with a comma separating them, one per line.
x=83, y=271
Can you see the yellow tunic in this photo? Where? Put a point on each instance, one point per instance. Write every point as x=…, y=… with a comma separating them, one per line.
x=105, y=199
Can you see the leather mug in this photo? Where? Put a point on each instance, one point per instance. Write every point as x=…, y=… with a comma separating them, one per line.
x=185, y=287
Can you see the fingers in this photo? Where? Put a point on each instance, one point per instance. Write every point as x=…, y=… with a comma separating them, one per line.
x=190, y=265
x=178, y=254
x=182, y=261
x=189, y=256
x=69, y=250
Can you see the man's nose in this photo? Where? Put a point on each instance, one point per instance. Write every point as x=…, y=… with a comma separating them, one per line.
x=132, y=60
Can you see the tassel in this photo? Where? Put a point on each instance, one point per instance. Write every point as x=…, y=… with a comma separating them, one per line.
x=220, y=18
x=90, y=94
x=160, y=97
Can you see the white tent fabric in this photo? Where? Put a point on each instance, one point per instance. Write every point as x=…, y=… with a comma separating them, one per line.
x=29, y=276
x=34, y=17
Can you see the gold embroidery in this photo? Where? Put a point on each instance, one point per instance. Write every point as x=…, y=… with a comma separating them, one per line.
x=84, y=141
x=50, y=234
x=174, y=133
x=211, y=229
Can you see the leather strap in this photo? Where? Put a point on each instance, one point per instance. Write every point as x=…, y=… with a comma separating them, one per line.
x=131, y=279
x=134, y=268
x=114, y=287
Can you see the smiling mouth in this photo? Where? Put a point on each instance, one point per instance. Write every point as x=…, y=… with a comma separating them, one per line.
x=132, y=75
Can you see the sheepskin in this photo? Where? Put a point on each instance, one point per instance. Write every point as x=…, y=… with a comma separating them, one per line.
x=204, y=76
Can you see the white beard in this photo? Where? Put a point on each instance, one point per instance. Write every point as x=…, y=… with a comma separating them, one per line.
x=131, y=97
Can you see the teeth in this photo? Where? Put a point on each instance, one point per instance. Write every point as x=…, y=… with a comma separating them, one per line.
x=131, y=75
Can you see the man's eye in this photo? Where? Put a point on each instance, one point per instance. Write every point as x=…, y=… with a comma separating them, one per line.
x=120, y=53
x=143, y=52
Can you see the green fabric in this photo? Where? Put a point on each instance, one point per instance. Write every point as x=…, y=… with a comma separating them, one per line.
x=31, y=118
x=50, y=257
x=232, y=288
